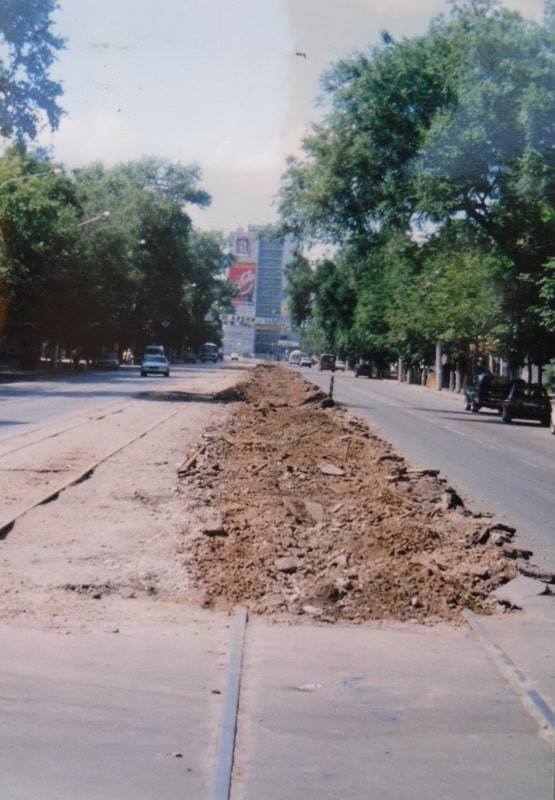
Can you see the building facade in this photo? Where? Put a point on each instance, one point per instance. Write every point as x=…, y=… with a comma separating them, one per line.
x=260, y=323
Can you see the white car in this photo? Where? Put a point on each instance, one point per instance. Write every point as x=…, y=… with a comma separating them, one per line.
x=234, y=357
x=155, y=365
x=306, y=361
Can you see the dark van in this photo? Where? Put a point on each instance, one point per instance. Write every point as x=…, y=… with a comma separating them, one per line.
x=326, y=361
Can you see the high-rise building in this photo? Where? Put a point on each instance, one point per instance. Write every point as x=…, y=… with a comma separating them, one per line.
x=261, y=325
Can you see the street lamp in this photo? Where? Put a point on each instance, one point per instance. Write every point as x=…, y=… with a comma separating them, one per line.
x=17, y=178
x=104, y=215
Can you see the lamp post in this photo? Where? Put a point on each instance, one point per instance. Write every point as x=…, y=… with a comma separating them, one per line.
x=18, y=178
x=104, y=215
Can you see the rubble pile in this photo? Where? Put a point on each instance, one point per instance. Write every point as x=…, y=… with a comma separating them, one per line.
x=306, y=513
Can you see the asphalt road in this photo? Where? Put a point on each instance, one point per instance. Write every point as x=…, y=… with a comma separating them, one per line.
x=508, y=470
x=28, y=405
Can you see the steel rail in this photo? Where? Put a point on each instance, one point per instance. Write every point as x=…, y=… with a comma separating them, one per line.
x=221, y=786
x=61, y=432
x=537, y=707
x=6, y=525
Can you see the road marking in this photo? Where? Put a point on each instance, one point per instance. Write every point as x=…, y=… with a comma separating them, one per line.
x=454, y=430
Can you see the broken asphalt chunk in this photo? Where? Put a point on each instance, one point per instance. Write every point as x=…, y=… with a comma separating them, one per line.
x=331, y=469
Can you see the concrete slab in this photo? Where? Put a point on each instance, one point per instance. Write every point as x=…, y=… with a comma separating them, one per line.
x=528, y=638
x=109, y=716
x=387, y=712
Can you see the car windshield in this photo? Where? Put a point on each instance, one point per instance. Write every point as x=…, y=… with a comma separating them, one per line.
x=155, y=359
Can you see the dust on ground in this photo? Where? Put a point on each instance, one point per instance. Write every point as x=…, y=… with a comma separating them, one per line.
x=309, y=515
x=261, y=494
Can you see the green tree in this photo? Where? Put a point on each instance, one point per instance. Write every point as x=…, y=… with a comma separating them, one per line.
x=357, y=176
x=141, y=259
x=38, y=212
x=334, y=304
x=208, y=294
x=28, y=49
x=108, y=259
x=300, y=288
x=450, y=295
x=489, y=157
x=456, y=124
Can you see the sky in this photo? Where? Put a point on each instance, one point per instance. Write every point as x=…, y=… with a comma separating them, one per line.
x=229, y=85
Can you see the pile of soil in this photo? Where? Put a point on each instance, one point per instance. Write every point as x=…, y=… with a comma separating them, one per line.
x=309, y=514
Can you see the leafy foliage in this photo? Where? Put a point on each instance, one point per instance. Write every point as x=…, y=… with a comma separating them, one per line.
x=28, y=49
x=450, y=134
x=108, y=259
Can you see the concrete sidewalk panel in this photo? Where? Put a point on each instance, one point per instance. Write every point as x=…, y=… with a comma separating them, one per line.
x=528, y=638
x=386, y=712
x=108, y=716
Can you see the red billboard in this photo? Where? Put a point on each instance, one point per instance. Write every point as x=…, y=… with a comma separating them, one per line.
x=243, y=276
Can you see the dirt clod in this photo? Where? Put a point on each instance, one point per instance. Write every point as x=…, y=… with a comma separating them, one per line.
x=323, y=520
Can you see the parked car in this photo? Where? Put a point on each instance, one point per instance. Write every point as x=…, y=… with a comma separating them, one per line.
x=527, y=401
x=487, y=391
x=326, y=361
x=234, y=357
x=155, y=365
x=364, y=370
x=306, y=360
x=107, y=361
x=340, y=364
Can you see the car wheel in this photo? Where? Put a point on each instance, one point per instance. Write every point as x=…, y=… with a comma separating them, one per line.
x=545, y=422
x=167, y=374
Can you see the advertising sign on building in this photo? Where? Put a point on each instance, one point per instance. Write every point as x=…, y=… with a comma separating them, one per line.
x=243, y=276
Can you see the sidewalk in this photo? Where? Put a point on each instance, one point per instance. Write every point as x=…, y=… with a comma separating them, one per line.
x=11, y=372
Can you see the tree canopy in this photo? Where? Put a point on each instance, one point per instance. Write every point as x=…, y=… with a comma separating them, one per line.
x=107, y=258
x=432, y=171
x=28, y=49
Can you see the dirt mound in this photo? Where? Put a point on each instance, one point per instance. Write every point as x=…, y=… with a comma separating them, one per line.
x=308, y=513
